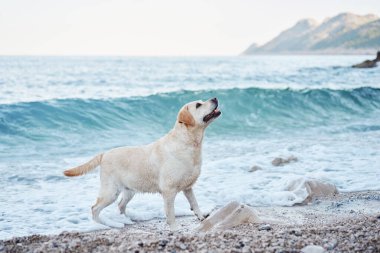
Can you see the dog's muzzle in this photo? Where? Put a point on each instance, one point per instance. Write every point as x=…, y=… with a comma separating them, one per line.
x=215, y=113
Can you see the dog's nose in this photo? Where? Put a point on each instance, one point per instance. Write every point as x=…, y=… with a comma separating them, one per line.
x=214, y=100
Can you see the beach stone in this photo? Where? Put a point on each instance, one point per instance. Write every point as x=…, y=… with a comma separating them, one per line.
x=313, y=249
x=231, y=215
x=296, y=232
x=162, y=243
x=53, y=244
x=182, y=246
x=278, y=161
x=246, y=250
x=336, y=204
x=370, y=249
x=310, y=189
x=255, y=168
x=331, y=245
x=123, y=246
x=242, y=215
x=265, y=227
x=208, y=223
x=75, y=244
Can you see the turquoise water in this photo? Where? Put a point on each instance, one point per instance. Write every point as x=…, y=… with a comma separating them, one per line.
x=57, y=112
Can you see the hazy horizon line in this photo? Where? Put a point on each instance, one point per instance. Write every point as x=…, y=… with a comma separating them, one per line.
x=184, y=56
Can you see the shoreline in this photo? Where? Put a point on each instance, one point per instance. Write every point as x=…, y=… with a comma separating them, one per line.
x=348, y=221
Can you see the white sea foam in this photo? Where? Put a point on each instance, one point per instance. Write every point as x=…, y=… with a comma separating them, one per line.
x=57, y=204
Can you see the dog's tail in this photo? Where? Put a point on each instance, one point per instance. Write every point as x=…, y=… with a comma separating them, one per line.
x=84, y=168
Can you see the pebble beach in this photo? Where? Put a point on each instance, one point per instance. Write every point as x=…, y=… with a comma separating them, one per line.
x=347, y=222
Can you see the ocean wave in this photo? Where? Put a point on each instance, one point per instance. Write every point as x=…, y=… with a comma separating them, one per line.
x=247, y=110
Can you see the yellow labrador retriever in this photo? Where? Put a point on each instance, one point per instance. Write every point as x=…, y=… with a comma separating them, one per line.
x=169, y=165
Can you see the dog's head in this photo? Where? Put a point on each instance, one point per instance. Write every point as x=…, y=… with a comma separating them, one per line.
x=199, y=113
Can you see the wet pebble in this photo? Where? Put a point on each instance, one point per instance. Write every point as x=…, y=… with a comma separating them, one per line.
x=296, y=232
x=313, y=249
x=163, y=243
x=182, y=246
x=255, y=168
x=266, y=227
x=331, y=245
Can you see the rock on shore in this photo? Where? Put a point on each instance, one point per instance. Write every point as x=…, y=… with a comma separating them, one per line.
x=310, y=189
x=229, y=216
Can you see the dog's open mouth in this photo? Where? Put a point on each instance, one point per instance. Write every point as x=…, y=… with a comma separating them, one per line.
x=214, y=114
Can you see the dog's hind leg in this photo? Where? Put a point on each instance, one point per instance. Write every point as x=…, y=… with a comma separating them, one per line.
x=127, y=195
x=106, y=197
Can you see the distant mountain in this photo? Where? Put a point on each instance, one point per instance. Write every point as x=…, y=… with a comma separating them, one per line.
x=345, y=33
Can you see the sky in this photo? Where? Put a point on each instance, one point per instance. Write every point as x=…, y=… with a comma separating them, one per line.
x=155, y=27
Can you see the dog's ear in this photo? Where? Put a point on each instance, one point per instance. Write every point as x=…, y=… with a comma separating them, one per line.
x=185, y=117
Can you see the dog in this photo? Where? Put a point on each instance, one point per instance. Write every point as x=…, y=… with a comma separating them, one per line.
x=167, y=166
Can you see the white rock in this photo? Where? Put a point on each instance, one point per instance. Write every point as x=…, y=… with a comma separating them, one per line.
x=313, y=249
x=243, y=214
x=308, y=189
x=229, y=216
x=182, y=246
x=331, y=245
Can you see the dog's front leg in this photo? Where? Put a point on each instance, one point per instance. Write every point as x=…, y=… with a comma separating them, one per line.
x=193, y=203
x=169, y=198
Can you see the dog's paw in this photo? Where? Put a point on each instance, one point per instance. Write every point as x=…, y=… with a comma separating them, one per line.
x=112, y=224
x=123, y=218
x=202, y=217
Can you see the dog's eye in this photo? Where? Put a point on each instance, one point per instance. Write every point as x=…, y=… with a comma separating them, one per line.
x=198, y=105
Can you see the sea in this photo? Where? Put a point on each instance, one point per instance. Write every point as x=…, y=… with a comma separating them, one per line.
x=58, y=112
